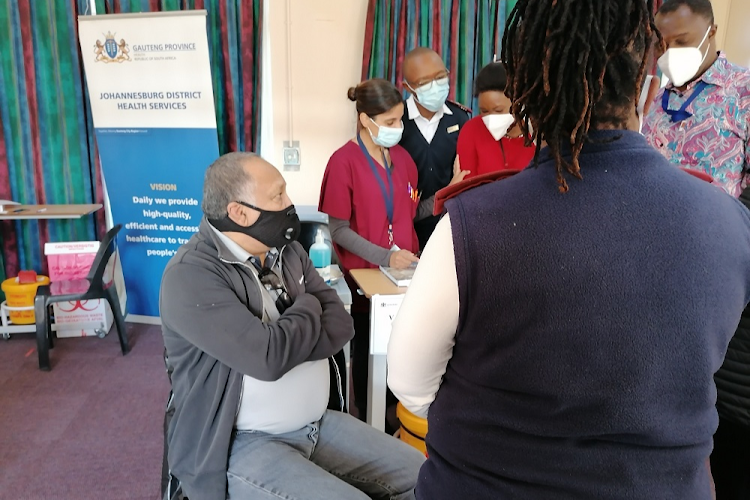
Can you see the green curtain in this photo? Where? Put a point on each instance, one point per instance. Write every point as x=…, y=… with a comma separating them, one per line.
x=466, y=33
x=44, y=144
x=47, y=149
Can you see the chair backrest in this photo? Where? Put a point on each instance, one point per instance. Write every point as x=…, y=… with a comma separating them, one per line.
x=106, y=248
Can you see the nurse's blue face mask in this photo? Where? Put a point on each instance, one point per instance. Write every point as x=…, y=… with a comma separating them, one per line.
x=387, y=136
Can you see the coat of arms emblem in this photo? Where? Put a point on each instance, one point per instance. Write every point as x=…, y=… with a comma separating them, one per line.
x=111, y=50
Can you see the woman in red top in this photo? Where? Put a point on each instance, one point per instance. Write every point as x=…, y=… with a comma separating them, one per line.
x=492, y=141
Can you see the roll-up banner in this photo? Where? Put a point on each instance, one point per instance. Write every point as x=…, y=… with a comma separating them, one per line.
x=152, y=104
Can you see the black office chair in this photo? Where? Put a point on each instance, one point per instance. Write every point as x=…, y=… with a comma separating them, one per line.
x=171, y=488
x=94, y=288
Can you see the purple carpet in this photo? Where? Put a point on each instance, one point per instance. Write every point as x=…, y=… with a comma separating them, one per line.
x=89, y=429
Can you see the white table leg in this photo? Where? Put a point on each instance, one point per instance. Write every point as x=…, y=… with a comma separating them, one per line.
x=347, y=367
x=376, y=391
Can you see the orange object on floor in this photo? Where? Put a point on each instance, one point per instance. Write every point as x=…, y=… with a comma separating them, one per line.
x=22, y=295
x=413, y=428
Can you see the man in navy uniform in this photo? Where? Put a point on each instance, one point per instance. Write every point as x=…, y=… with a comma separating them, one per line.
x=431, y=130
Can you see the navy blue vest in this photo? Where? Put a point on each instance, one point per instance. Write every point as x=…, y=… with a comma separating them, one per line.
x=733, y=379
x=591, y=324
x=434, y=160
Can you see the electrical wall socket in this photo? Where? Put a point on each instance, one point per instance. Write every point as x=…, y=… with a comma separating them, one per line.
x=291, y=156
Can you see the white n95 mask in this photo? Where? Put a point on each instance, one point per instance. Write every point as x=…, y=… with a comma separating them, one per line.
x=681, y=64
x=498, y=124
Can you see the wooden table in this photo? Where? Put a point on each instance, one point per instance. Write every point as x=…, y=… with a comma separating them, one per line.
x=374, y=282
x=385, y=300
x=21, y=212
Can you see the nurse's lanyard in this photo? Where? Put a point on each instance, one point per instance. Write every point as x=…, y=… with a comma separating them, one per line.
x=681, y=114
x=387, y=197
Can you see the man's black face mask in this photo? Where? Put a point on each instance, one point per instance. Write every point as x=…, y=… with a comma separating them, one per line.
x=273, y=228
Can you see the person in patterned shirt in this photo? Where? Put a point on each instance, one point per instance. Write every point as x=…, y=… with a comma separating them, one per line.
x=701, y=120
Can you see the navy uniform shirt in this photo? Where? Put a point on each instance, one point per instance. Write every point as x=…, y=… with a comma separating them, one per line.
x=432, y=146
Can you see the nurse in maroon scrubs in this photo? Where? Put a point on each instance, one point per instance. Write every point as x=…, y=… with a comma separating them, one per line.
x=369, y=193
x=369, y=187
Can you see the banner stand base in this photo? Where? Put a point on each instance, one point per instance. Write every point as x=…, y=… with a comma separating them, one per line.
x=146, y=320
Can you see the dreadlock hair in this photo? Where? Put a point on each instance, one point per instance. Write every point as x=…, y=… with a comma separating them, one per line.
x=574, y=65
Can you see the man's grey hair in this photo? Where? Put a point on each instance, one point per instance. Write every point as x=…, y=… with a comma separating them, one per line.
x=227, y=181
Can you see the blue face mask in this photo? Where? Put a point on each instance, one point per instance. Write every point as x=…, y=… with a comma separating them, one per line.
x=433, y=95
x=387, y=136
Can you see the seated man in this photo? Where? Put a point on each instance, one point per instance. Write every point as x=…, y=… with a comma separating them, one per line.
x=248, y=326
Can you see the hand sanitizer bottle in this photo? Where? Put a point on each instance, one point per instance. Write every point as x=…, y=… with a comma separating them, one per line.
x=320, y=254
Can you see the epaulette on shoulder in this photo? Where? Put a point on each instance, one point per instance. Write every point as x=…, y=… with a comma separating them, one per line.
x=700, y=175
x=449, y=192
x=460, y=106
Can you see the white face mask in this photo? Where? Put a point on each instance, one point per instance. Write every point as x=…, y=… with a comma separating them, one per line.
x=681, y=65
x=498, y=124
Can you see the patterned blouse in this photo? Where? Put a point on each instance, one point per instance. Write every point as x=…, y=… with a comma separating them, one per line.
x=716, y=138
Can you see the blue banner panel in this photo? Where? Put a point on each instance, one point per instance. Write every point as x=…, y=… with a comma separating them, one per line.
x=155, y=182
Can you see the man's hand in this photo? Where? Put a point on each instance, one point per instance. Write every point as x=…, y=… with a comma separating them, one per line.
x=401, y=259
x=458, y=174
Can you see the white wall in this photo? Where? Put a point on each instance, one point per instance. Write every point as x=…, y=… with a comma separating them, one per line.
x=721, y=16
x=737, y=42
x=327, y=39
x=733, y=36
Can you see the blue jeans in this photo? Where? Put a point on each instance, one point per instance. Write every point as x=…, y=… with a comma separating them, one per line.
x=337, y=457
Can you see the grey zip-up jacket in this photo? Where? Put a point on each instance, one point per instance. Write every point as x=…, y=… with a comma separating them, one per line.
x=211, y=307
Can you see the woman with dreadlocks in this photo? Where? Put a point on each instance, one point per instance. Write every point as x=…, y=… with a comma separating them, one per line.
x=563, y=327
